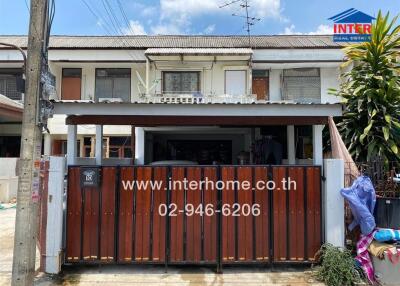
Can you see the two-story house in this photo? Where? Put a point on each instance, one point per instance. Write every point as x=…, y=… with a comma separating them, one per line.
x=284, y=78
x=233, y=110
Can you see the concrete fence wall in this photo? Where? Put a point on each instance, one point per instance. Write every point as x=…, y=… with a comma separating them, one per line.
x=8, y=179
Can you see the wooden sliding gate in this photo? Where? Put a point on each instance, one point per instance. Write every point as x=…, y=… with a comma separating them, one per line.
x=148, y=214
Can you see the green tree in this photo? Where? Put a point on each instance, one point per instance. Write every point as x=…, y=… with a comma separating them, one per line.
x=371, y=92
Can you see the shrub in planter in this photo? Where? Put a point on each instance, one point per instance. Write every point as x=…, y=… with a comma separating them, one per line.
x=337, y=267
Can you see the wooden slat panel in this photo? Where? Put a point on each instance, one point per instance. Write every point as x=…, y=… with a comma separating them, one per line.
x=125, y=217
x=108, y=188
x=74, y=216
x=159, y=227
x=228, y=222
x=279, y=215
x=176, y=228
x=296, y=214
x=245, y=223
x=313, y=211
x=210, y=195
x=193, y=222
x=261, y=197
x=90, y=235
x=142, y=213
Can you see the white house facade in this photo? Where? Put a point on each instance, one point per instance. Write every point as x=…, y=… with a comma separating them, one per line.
x=152, y=107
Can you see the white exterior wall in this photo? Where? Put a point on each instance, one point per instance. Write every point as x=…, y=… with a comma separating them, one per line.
x=333, y=202
x=275, y=93
x=212, y=74
x=329, y=79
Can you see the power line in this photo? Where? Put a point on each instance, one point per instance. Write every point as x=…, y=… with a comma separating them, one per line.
x=124, y=16
x=98, y=18
x=27, y=6
x=110, y=17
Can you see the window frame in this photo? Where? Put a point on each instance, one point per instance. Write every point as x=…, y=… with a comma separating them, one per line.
x=181, y=72
x=284, y=95
x=96, y=98
x=15, y=75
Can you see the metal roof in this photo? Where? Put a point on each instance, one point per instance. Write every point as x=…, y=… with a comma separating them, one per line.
x=4, y=100
x=199, y=51
x=183, y=41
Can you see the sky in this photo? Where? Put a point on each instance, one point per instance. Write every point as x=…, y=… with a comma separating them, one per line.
x=196, y=17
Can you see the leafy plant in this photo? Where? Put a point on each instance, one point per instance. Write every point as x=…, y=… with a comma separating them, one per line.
x=337, y=267
x=370, y=125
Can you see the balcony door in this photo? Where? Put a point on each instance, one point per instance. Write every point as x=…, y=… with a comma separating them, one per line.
x=71, y=84
x=260, y=84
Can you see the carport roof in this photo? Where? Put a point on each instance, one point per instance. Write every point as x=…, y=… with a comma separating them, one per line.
x=142, y=114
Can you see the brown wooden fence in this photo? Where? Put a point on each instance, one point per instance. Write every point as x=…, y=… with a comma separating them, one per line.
x=112, y=224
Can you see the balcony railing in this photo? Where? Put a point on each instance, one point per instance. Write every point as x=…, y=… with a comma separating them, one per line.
x=196, y=98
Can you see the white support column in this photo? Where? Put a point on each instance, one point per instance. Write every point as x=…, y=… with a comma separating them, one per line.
x=291, y=150
x=99, y=145
x=333, y=202
x=147, y=75
x=54, y=227
x=139, y=147
x=47, y=144
x=71, y=144
x=82, y=147
x=317, y=144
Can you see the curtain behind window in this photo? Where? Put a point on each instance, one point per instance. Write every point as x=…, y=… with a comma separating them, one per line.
x=235, y=82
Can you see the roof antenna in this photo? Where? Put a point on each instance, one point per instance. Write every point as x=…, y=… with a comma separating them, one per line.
x=249, y=20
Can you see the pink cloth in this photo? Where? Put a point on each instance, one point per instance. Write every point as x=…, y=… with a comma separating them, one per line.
x=363, y=255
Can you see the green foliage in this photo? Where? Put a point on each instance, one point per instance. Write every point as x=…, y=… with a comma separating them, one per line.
x=370, y=125
x=337, y=267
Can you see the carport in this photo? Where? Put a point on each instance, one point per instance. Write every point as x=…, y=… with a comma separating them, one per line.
x=107, y=223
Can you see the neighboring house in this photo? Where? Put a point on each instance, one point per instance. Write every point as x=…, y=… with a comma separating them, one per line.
x=10, y=122
x=10, y=139
x=292, y=72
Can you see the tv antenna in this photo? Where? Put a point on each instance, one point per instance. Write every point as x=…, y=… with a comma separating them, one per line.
x=249, y=20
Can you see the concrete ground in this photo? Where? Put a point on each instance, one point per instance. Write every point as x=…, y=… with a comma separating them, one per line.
x=148, y=275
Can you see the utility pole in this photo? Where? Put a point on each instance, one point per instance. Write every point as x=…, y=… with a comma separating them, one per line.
x=26, y=224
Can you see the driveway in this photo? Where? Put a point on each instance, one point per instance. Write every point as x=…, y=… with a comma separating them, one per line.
x=148, y=275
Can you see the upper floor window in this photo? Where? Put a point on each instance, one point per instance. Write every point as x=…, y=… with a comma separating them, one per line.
x=11, y=83
x=113, y=83
x=181, y=82
x=302, y=85
x=235, y=82
x=71, y=84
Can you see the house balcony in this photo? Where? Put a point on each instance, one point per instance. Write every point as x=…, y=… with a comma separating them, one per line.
x=196, y=98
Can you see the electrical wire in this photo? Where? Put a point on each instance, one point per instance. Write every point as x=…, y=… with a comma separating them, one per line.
x=118, y=31
x=124, y=16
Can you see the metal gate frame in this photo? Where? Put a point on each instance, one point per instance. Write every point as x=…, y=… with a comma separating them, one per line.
x=307, y=171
